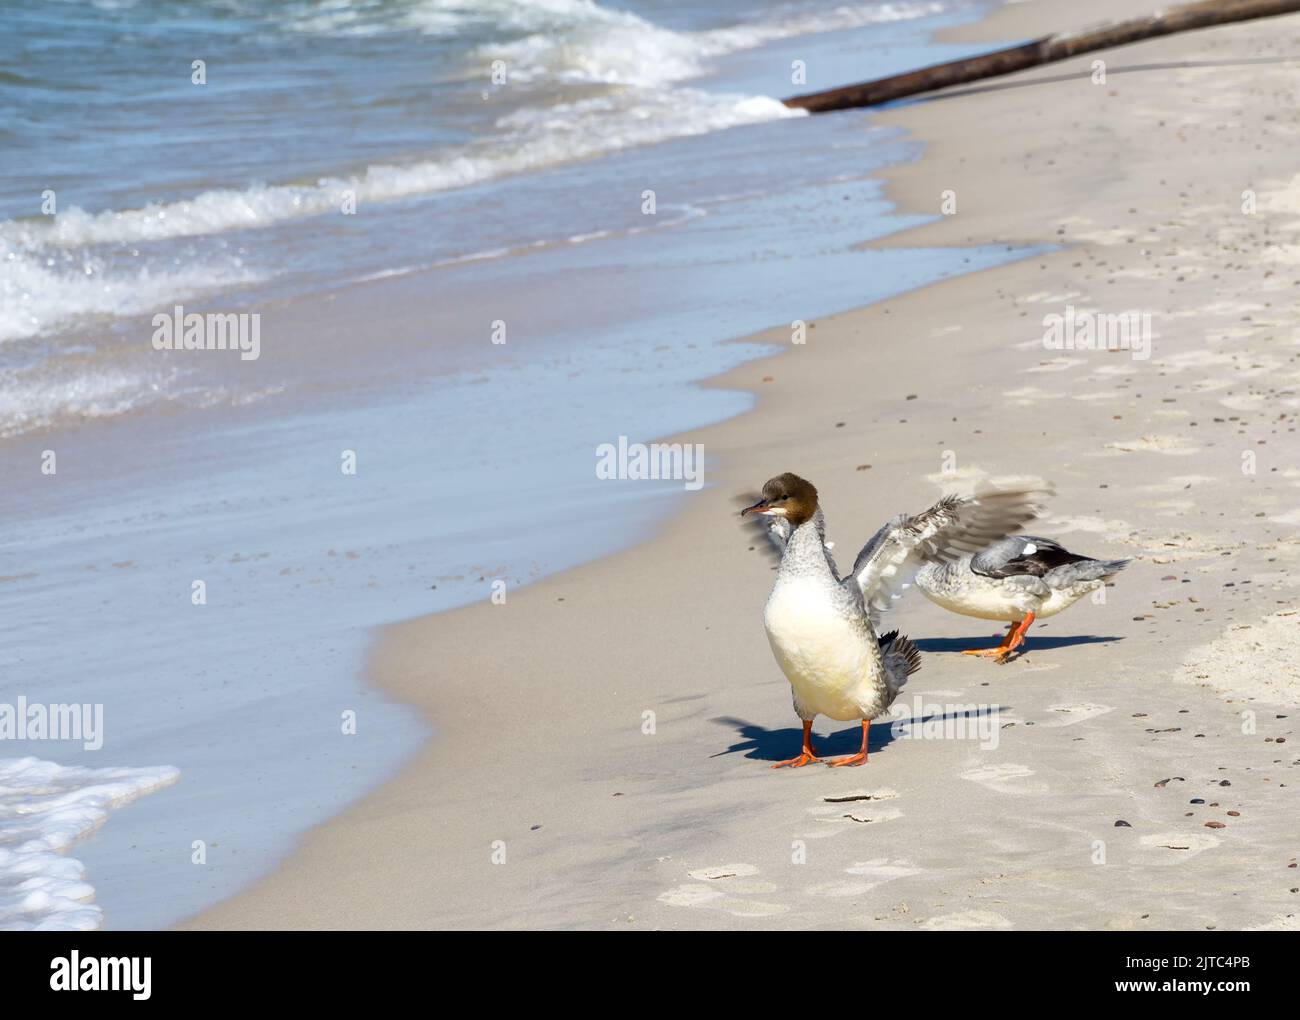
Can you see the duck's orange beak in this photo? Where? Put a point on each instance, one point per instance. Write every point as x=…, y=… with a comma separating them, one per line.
x=761, y=507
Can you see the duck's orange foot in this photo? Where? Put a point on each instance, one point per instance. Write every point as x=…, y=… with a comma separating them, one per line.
x=1011, y=647
x=853, y=759
x=1000, y=651
x=804, y=758
x=806, y=754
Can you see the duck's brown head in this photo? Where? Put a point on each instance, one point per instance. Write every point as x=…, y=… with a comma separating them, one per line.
x=787, y=496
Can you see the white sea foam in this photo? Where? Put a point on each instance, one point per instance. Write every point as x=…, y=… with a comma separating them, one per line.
x=580, y=39
x=39, y=292
x=47, y=397
x=44, y=809
x=55, y=393
x=617, y=47
x=538, y=138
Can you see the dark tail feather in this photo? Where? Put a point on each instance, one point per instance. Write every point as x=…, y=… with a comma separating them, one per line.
x=1113, y=567
x=1086, y=570
x=1100, y=570
x=902, y=657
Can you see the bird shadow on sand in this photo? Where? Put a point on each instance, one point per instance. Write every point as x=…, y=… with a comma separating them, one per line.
x=763, y=744
x=1034, y=643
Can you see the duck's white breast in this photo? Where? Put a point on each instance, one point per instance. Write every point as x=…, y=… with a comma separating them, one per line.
x=822, y=651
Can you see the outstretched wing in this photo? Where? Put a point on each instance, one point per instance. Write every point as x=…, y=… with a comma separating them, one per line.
x=956, y=526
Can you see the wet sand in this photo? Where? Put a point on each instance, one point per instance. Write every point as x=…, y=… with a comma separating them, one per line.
x=602, y=738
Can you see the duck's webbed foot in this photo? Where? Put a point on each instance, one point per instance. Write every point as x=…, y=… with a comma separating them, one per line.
x=1000, y=652
x=1015, y=639
x=806, y=755
x=855, y=759
x=991, y=653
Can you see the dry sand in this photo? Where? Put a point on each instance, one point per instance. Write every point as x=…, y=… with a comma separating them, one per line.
x=1173, y=691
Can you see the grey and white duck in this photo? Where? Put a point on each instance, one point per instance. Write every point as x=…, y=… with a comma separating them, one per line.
x=823, y=627
x=1018, y=580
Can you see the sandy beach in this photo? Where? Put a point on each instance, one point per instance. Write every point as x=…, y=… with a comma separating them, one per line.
x=601, y=740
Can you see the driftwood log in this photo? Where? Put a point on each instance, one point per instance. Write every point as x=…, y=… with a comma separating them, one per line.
x=1046, y=50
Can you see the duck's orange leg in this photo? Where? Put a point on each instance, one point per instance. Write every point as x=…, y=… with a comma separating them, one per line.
x=861, y=756
x=1017, y=637
x=994, y=652
x=806, y=755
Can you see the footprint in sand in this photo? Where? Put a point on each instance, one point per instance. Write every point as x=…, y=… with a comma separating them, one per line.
x=882, y=869
x=1098, y=395
x=1054, y=365
x=1076, y=713
x=1175, y=446
x=966, y=920
x=868, y=875
x=852, y=807
x=721, y=888
x=722, y=871
x=1176, y=847
x=1169, y=507
x=1047, y=297
x=1028, y=396
x=1113, y=530
x=1027, y=665
x=1180, y=483
x=1006, y=778
x=1282, y=922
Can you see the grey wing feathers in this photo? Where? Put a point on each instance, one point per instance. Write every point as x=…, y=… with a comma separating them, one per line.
x=1026, y=555
x=956, y=526
x=992, y=513
x=1084, y=570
